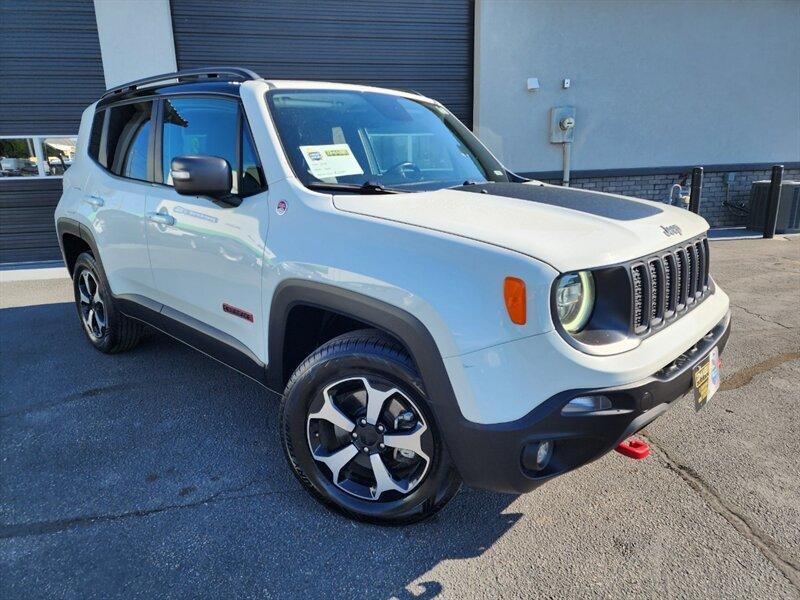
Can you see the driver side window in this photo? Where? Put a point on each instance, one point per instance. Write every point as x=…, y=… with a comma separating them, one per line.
x=211, y=126
x=200, y=126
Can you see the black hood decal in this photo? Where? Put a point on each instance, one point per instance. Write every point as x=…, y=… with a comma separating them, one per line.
x=588, y=201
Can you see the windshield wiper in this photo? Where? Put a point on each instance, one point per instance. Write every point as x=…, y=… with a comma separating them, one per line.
x=368, y=187
x=467, y=183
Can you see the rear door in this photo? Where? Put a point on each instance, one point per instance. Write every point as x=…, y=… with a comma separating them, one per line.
x=206, y=255
x=114, y=197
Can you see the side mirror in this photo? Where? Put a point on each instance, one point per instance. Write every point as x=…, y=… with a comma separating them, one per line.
x=202, y=176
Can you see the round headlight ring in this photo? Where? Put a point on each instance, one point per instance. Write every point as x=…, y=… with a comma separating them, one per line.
x=575, y=300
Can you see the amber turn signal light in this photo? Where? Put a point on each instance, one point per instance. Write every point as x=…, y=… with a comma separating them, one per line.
x=516, y=301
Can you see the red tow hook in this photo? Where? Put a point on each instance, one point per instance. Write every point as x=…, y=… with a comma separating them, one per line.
x=633, y=448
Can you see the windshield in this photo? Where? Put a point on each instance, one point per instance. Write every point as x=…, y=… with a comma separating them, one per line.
x=350, y=138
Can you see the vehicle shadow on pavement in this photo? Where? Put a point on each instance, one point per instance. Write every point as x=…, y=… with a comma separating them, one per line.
x=160, y=472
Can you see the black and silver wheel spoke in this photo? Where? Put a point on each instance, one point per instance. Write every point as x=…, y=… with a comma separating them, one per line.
x=331, y=414
x=83, y=291
x=375, y=401
x=408, y=441
x=359, y=431
x=384, y=481
x=337, y=461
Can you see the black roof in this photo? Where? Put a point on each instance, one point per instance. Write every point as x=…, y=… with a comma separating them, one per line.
x=220, y=80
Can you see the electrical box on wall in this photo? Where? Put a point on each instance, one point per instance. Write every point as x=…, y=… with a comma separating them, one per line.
x=562, y=124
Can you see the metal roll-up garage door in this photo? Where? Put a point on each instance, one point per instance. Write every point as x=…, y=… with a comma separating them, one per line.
x=50, y=70
x=425, y=45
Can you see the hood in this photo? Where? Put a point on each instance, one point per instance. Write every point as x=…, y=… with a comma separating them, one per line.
x=568, y=228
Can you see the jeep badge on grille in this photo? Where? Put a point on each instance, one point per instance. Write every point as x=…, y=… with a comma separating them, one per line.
x=670, y=230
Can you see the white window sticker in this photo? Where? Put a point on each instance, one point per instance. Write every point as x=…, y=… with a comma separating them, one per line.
x=331, y=160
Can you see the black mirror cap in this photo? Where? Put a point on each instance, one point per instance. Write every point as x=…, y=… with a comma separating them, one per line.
x=202, y=176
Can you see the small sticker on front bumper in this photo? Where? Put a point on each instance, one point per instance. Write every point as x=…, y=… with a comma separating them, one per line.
x=706, y=379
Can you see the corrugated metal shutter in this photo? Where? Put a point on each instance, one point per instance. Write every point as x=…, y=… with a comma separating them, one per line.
x=27, y=232
x=50, y=70
x=50, y=65
x=425, y=45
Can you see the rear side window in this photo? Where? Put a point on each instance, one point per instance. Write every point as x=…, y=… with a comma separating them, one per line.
x=127, y=140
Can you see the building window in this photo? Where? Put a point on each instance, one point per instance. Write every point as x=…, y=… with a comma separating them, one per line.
x=18, y=158
x=36, y=156
x=59, y=152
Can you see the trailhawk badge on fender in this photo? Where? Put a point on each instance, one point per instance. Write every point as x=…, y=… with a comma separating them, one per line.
x=281, y=207
x=670, y=230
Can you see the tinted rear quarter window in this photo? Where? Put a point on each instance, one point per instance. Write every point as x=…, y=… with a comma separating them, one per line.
x=127, y=139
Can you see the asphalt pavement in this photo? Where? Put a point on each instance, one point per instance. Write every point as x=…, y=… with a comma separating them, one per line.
x=158, y=473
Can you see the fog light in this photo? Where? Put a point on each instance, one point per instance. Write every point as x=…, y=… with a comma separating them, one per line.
x=543, y=454
x=536, y=456
x=586, y=404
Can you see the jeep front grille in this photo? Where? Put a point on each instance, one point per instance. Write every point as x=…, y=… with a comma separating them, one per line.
x=665, y=286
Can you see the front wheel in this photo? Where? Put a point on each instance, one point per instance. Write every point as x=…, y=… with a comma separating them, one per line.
x=359, y=435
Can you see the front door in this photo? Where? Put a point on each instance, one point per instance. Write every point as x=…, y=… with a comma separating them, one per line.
x=207, y=256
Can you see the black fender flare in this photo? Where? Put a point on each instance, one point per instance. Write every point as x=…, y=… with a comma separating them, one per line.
x=64, y=226
x=395, y=321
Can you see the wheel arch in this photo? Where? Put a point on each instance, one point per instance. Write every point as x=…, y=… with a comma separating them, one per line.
x=360, y=309
x=74, y=238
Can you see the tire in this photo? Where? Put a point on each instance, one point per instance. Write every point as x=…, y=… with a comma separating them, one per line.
x=106, y=328
x=355, y=373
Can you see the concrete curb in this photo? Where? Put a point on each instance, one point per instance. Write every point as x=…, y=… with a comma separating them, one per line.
x=34, y=274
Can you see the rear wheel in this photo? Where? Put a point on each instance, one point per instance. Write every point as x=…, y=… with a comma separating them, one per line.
x=107, y=329
x=358, y=433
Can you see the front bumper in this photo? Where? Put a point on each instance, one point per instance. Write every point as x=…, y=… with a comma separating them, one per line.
x=490, y=455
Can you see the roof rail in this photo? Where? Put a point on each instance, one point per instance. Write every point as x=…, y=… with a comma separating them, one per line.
x=407, y=91
x=238, y=73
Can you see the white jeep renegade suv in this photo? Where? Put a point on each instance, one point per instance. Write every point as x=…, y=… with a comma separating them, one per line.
x=429, y=317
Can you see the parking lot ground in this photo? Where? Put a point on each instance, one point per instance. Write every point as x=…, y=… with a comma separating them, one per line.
x=159, y=473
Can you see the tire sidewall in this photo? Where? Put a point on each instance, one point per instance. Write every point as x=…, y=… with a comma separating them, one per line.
x=437, y=486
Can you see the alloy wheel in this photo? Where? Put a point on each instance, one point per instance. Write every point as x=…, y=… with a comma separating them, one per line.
x=371, y=436
x=92, y=305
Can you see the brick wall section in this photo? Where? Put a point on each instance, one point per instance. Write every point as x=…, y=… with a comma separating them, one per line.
x=715, y=192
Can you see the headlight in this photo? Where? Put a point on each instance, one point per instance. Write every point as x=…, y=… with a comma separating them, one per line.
x=575, y=300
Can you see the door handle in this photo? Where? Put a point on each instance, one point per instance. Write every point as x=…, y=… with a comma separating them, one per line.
x=95, y=201
x=161, y=218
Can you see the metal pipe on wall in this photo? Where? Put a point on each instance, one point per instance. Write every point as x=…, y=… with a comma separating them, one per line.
x=697, y=188
x=771, y=222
